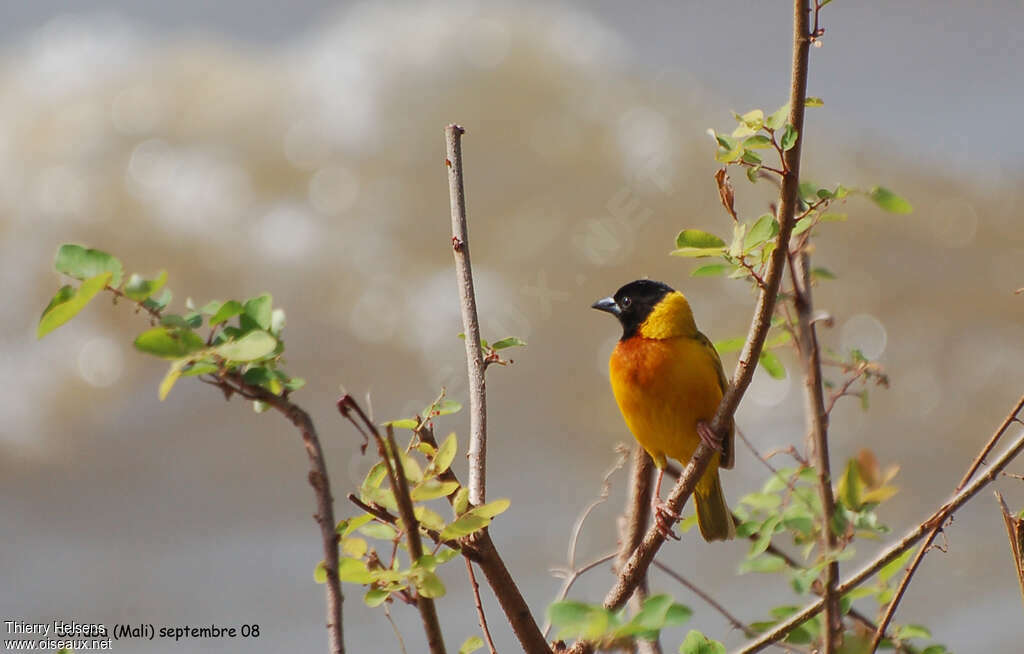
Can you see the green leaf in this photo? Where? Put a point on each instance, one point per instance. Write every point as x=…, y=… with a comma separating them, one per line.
x=895, y=566
x=378, y=531
x=402, y=423
x=169, y=342
x=763, y=563
x=511, y=341
x=650, y=617
x=695, y=238
x=83, y=263
x=252, y=346
x=579, y=620
x=446, y=407
x=711, y=270
x=320, y=573
x=697, y=643
x=173, y=373
x=277, y=321
x=353, y=571
x=211, y=307
x=850, y=487
x=464, y=525
x=833, y=217
x=354, y=547
x=492, y=508
x=428, y=584
x=259, y=310
x=159, y=303
x=822, y=273
x=789, y=136
x=375, y=597
x=67, y=302
x=730, y=345
x=432, y=489
x=445, y=455
x=346, y=527
x=764, y=537
x=226, y=311
x=812, y=101
x=472, y=644
x=428, y=518
x=889, y=201
x=137, y=288
x=772, y=365
x=461, y=501
x=765, y=228
x=777, y=119
x=908, y=631
x=757, y=141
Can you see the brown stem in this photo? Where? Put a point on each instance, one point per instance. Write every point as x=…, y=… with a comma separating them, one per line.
x=933, y=523
x=638, y=513
x=479, y=606
x=817, y=426
x=470, y=323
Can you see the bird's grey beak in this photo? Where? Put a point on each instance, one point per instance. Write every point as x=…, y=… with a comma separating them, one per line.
x=607, y=304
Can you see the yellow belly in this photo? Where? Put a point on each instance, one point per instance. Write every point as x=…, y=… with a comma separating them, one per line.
x=663, y=388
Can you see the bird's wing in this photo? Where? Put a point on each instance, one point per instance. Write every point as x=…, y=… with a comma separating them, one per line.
x=728, y=457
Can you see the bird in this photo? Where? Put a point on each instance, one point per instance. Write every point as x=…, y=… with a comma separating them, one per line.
x=668, y=380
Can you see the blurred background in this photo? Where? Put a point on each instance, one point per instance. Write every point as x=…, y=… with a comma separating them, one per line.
x=297, y=148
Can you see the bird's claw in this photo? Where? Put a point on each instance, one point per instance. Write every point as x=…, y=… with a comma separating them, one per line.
x=665, y=518
x=708, y=437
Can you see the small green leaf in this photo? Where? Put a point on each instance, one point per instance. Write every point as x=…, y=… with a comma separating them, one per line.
x=772, y=365
x=695, y=238
x=428, y=584
x=173, y=373
x=378, y=531
x=211, y=307
x=354, y=547
x=375, y=597
x=579, y=620
x=402, y=423
x=895, y=566
x=83, y=263
x=757, y=141
x=777, y=119
x=492, y=508
x=446, y=407
x=822, y=273
x=137, y=288
x=320, y=573
x=226, y=311
x=445, y=455
x=259, y=310
x=764, y=229
x=812, y=101
x=789, y=136
x=730, y=345
x=252, y=346
x=158, y=303
x=511, y=341
x=428, y=518
x=908, y=631
x=697, y=643
x=352, y=570
x=889, y=201
x=472, y=644
x=277, y=321
x=464, y=525
x=432, y=489
x=169, y=342
x=461, y=501
x=66, y=304
x=763, y=563
x=711, y=270
x=346, y=527
x=650, y=617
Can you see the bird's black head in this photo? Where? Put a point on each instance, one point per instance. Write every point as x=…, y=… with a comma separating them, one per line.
x=632, y=303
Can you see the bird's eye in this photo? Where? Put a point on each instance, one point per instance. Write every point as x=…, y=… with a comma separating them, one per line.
x=626, y=301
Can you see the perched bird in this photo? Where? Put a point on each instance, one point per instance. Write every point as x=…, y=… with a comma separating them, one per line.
x=668, y=380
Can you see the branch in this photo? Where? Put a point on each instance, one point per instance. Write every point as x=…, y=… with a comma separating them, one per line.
x=891, y=609
x=479, y=547
x=470, y=322
x=933, y=522
x=817, y=425
x=638, y=513
x=479, y=606
x=632, y=572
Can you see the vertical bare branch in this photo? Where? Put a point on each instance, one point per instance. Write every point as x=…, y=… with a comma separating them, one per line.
x=638, y=513
x=932, y=524
x=470, y=322
x=817, y=427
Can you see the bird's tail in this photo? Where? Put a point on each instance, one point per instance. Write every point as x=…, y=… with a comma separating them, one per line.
x=713, y=515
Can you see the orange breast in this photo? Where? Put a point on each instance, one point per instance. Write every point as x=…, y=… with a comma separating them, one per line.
x=663, y=388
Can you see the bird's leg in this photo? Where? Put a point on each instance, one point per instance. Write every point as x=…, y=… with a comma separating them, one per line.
x=664, y=517
x=710, y=438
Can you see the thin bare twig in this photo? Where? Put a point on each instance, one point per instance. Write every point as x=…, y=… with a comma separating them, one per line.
x=470, y=323
x=479, y=606
x=915, y=535
x=570, y=578
x=817, y=426
x=602, y=497
x=394, y=627
x=638, y=513
x=901, y=589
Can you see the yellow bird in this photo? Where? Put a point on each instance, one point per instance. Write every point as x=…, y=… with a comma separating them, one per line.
x=668, y=380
